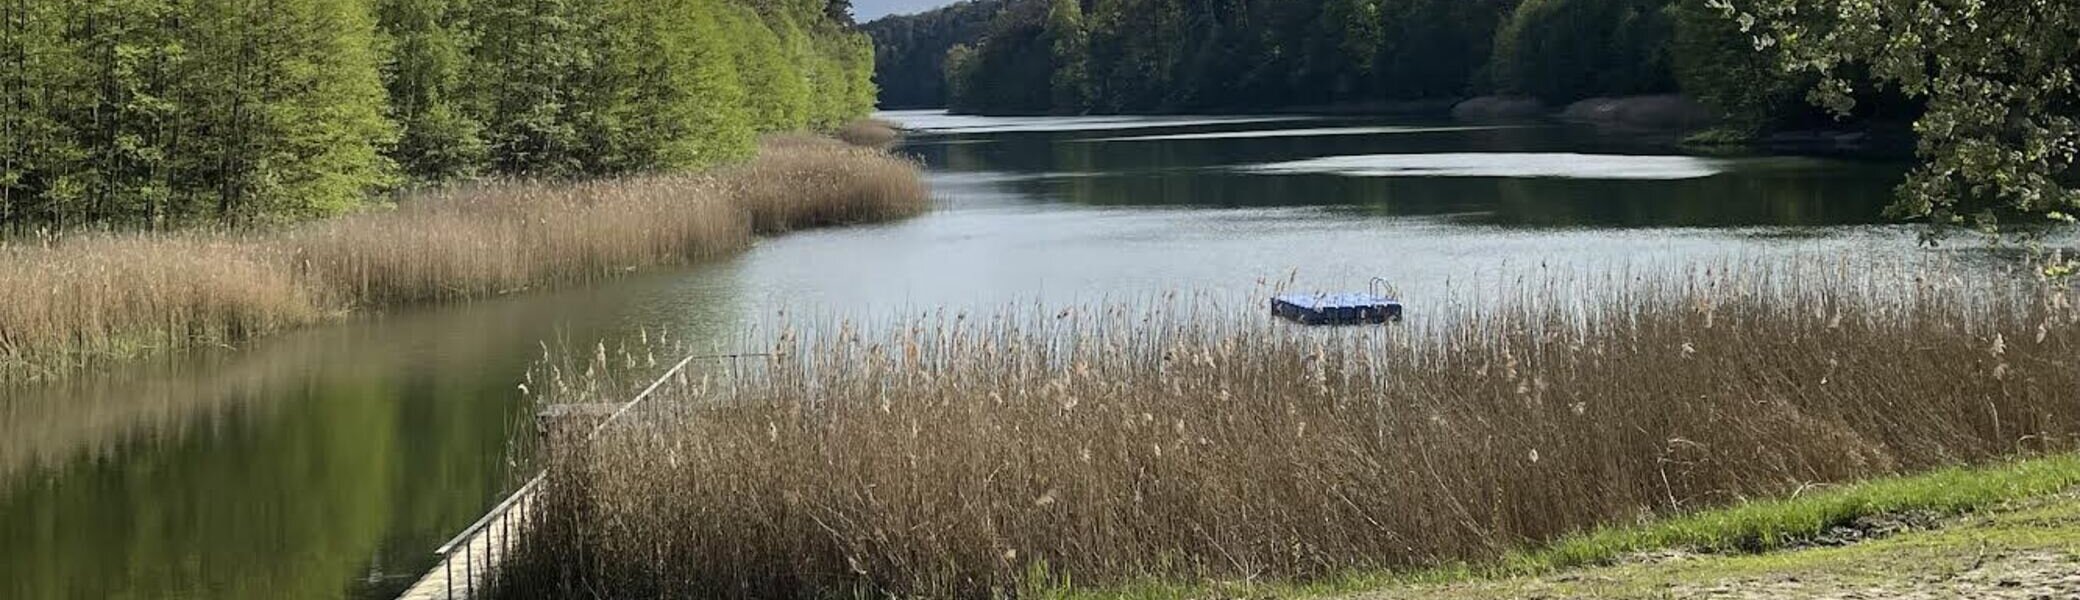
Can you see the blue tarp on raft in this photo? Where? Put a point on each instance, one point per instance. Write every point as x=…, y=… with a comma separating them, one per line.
x=1336, y=309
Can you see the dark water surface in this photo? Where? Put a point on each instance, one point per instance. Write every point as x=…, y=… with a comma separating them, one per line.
x=327, y=463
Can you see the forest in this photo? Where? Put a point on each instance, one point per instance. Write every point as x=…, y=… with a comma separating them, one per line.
x=910, y=50
x=1986, y=95
x=1131, y=56
x=155, y=114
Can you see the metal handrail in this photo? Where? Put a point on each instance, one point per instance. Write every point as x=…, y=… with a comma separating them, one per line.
x=497, y=515
x=502, y=507
x=495, y=512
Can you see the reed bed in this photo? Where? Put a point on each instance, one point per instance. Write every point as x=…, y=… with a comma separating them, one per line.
x=870, y=133
x=120, y=295
x=1002, y=456
x=70, y=301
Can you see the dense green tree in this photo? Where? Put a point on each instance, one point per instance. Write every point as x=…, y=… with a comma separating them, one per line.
x=34, y=142
x=25, y=126
x=1069, y=47
x=1174, y=55
x=910, y=51
x=150, y=112
x=113, y=74
x=2001, y=129
x=167, y=112
x=687, y=106
x=294, y=88
x=1012, y=70
x=1567, y=50
x=1718, y=65
x=1436, y=48
x=777, y=91
x=1347, y=43
x=521, y=78
x=438, y=138
x=960, y=69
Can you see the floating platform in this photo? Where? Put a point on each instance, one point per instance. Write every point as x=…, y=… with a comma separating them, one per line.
x=1336, y=309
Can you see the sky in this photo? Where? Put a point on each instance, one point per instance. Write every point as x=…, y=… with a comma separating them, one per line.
x=868, y=10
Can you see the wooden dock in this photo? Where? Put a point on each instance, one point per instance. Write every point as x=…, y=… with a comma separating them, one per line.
x=470, y=563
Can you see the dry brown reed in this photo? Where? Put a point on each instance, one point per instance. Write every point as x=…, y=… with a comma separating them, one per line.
x=869, y=133
x=126, y=294
x=810, y=182
x=74, y=300
x=979, y=457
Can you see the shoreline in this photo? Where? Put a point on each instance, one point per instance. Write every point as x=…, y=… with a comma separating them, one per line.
x=1694, y=131
x=106, y=297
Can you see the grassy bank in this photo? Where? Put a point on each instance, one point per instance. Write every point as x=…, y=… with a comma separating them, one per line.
x=74, y=300
x=1944, y=534
x=1775, y=538
x=973, y=457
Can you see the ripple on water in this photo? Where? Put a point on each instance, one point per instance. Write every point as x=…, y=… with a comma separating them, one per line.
x=1307, y=132
x=974, y=125
x=1519, y=164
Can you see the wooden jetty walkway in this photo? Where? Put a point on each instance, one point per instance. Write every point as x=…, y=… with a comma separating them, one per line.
x=469, y=563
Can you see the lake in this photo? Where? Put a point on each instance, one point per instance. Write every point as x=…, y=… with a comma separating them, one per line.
x=329, y=462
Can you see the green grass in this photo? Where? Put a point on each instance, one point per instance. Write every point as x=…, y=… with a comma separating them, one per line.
x=1775, y=524
x=1745, y=538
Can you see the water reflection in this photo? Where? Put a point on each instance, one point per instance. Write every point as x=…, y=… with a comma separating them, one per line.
x=320, y=464
x=1512, y=165
x=1301, y=133
x=1477, y=176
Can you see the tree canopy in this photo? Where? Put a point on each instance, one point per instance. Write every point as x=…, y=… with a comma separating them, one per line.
x=1999, y=133
x=1072, y=56
x=167, y=112
x=910, y=51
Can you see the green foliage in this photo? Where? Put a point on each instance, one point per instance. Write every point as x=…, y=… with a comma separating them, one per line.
x=2001, y=130
x=1566, y=50
x=1436, y=48
x=1172, y=55
x=1069, y=47
x=774, y=86
x=1718, y=65
x=1115, y=56
x=437, y=138
x=910, y=51
x=960, y=69
x=151, y=112
x=161, y=113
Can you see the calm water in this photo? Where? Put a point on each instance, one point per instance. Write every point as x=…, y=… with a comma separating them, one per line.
x=329, y=462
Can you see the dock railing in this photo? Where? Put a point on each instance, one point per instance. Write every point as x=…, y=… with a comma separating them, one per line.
x=484, y=544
